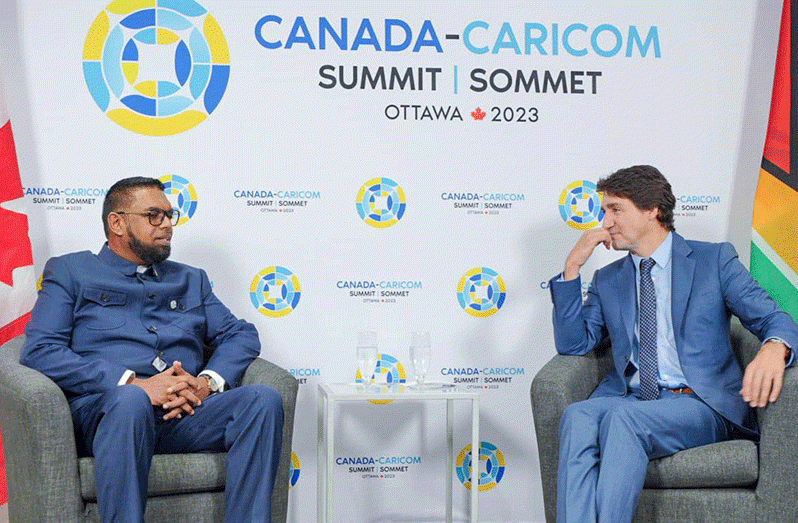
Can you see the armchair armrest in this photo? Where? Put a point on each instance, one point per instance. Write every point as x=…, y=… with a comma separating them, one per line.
x=562, y=381
x=777, y=489
x=39, y=443
x=264, y=372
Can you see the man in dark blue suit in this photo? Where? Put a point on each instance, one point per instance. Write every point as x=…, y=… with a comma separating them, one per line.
x=676, y=383
x=123, y=333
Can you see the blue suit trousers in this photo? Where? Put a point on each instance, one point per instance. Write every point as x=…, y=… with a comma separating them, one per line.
x=122, y=430
x=607, y=442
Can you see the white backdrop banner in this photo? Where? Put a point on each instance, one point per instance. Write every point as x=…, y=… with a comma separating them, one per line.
x=387, y=166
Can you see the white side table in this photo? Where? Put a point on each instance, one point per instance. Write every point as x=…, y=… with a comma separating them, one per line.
x=332, y=393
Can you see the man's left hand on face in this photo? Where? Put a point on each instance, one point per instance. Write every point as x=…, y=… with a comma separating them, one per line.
x=764, y=376
x=189, y=392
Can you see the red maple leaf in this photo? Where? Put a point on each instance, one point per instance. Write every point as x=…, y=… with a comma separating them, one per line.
x=478, y=114
x=15, y=250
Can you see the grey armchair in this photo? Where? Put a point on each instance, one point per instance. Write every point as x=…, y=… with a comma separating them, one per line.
x=47, y=482
x=733, y=481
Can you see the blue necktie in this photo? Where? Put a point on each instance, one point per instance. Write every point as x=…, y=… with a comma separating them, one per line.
x=649, y=369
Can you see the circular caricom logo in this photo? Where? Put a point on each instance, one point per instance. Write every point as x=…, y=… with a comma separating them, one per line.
x=481, y=292
x=490, y=458
x=156, y=67
x=389, y=371
x=184, y=191
x=381, y=202
x=580, y=205
x=293, y=473
x=275, y=291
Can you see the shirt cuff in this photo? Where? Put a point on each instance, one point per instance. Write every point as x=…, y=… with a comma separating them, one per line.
x=216, y=377
x=125, y=377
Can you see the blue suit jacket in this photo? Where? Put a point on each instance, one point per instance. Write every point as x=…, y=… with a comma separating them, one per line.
x=95, y=318
x=708, y=285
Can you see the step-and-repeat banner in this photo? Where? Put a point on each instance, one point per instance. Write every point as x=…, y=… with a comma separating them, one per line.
x=391, y=167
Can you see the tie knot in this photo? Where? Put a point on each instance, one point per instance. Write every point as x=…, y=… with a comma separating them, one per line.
x=645, y=265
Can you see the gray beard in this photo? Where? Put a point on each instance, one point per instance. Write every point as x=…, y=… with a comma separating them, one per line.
x=149, y=254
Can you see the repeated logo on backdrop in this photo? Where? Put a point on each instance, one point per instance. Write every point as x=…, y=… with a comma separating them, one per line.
x=580, y=205
x=156, y=67
x=184, y=193
x=691, y=205
x=482, y=203
x=65, y=198
x=381, y=202
x=275, y=291
x=389, y=371
x=293, y=473
x=389, y=374
x=481, y=292
x=490, y=458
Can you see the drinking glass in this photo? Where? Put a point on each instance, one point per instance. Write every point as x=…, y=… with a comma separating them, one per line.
x=367, y=355
x=420, y=356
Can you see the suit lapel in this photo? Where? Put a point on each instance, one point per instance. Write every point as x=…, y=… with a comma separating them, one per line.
x=681, y=283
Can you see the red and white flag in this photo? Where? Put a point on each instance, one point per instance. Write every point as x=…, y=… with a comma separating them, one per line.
x=17, y=275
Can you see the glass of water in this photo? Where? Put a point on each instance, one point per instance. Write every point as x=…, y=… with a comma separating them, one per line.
x=420, y=356
x=367, y=355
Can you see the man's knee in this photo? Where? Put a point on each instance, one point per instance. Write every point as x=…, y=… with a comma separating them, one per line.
x=126, y=412
x=622, y=423
x=128, y=400
x=577, y=417
x=262, y=398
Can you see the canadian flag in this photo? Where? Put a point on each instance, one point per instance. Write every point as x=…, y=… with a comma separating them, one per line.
x=17, y=275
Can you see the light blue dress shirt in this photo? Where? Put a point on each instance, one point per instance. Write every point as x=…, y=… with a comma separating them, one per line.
x=670, y=371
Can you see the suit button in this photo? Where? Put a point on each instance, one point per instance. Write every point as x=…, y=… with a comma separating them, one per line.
x=104, y=297
x=153, y=328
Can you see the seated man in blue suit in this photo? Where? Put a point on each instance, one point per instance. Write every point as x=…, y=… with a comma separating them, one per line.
x=676, y=383
x=123, y=333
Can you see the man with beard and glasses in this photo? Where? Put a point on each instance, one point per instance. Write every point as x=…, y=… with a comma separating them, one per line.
x=123, y=333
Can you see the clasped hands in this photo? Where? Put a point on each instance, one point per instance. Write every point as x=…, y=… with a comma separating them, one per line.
x=175, y=390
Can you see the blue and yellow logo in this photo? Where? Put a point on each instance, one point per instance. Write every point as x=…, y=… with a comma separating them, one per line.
x=275, y=291
x=156, y=67
x=389, y=371
x=580, y=205
x=186, y=195
x=493, y=460
x=293, y=473
x=481, y=292
x=381, y=202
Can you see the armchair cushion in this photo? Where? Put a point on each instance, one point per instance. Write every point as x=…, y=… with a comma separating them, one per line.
x=733, y=463
x=169, y=474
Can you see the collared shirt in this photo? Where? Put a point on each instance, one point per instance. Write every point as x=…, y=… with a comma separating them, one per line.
x=670, y=370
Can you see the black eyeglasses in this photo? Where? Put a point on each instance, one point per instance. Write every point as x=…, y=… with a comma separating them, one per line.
x=155, y=216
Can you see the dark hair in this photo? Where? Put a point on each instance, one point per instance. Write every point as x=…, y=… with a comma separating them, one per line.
x=646, y=187
x=119, y=195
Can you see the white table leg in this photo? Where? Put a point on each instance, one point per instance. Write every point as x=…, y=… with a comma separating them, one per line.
x=330, y=416
x=450, y=458
x=321, y=457
x=475, y=458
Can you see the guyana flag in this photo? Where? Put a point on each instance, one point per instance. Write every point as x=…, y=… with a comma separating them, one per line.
x=774, y=228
